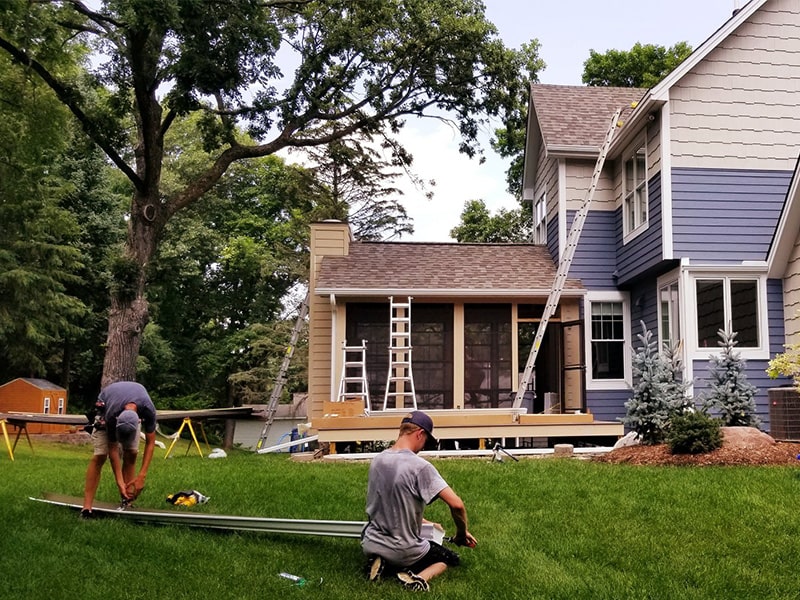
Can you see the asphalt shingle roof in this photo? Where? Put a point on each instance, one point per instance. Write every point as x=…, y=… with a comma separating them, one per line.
x=440, y=267
x=572, y=115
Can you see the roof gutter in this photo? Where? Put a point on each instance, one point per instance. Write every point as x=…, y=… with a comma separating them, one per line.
x=449, y=293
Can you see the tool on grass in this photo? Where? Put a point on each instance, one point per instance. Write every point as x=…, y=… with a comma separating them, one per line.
x=498, y=449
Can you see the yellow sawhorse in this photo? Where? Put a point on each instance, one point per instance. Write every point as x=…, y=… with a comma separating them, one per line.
x=20, y=429
x=188, y=421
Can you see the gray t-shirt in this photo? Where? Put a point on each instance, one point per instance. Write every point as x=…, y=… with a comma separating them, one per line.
x=117, y=395
x=401, y=485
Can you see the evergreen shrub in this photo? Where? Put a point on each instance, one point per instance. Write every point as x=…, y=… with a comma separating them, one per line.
x=694, y=433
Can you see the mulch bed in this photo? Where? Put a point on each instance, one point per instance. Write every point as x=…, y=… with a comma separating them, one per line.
x=779, y=453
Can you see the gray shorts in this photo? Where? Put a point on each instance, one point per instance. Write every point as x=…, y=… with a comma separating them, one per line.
x=100, y=441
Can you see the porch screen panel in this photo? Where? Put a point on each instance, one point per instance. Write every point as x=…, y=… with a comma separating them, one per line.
x=487, y=356
x=432, y=354
x=370, y=321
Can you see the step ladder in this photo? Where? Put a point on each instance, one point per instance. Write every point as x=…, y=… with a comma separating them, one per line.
x=400, y=381
x=280, y=379
x=353, y=382
x=565, y=263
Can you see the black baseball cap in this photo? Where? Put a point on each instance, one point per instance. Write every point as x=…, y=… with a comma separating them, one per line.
x=423, y=421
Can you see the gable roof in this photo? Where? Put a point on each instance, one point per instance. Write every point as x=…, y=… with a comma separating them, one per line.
x=577, y=117
x=441, y=269
x=786, y=232
x=41, y=384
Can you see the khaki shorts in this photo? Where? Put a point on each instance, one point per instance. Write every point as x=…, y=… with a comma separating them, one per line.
x=100, y=441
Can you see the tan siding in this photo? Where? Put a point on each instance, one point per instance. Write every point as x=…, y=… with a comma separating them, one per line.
x=579, y=178
x=653, y=149
x=331, y=239
x=791, y=296
x=737, y=108
x=548, y=183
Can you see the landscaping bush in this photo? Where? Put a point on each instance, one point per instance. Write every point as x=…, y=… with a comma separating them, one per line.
x=694, y=433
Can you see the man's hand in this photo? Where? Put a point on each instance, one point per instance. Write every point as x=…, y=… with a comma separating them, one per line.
x=134, y=488
x=465, y=540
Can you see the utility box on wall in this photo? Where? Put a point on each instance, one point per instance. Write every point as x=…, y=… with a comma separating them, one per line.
x=784, y=413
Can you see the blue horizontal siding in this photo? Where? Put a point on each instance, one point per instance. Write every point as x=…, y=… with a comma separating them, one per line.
x=607, y=405
x=595, y=257
x=643, y=252
x=726, y=215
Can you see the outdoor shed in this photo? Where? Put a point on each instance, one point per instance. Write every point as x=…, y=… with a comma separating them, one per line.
x=30, y=395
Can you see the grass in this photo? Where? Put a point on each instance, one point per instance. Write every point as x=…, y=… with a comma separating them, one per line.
x=549, y=529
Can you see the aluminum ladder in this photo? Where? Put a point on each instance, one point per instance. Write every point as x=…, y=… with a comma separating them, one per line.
x=280, y=379
x=353, y=382
x=565, y=263
x=400, y=380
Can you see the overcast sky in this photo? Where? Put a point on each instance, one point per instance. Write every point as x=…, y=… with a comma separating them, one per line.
x=566, y=30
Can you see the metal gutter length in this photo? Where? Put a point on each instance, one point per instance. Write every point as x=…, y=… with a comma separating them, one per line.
x=350, y=529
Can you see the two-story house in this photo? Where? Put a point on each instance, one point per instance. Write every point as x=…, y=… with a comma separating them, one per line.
x=693, y=228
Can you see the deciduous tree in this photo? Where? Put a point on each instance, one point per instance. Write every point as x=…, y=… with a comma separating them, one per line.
x=363, y=64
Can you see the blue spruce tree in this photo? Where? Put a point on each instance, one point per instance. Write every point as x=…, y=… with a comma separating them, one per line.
x=731, y=394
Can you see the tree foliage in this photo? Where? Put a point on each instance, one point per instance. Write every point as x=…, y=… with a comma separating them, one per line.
x=658, y=394
x=478, y=225
x=731, y=395
x=364, y=65
x=644, y=65
x=509, y=141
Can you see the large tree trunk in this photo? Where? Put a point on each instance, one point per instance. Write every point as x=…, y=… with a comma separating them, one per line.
x=128, y=315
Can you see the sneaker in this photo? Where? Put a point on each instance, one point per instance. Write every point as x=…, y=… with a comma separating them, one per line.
x=86, y=513
x=375, y=566
x=413, y=582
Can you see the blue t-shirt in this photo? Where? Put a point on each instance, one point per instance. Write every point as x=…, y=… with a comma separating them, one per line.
x=401, y=485
x=117, y=395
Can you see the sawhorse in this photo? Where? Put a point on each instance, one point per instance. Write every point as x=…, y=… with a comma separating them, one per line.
x=20, y=429
x=188, y=421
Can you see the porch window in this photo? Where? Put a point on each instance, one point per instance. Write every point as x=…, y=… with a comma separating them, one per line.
x=634, y=181
x=432, y=354
x=487, y=356
x=608, y=340
x=727, y=302
x=540, y=220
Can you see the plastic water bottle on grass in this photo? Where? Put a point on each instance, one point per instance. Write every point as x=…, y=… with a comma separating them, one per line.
x=298, y=581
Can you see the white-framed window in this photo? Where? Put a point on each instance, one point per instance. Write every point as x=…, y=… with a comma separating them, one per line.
x=61, y=406
x=608, y=340
x=735, y=301
x=540, y=220
x=669, y=312
x=46, y=405
x=634, y=190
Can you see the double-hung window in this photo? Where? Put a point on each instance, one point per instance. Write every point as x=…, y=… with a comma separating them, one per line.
x=634, y=190
x=608, y=340
x=540, y=220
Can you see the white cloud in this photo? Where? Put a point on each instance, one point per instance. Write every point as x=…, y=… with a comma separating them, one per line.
x=459, y=179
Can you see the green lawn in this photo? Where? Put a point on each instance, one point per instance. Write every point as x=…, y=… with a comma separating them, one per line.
x=546, y=528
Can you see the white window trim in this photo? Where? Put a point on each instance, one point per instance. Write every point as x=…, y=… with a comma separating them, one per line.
x=60, y=405
x=610, y=296
x=629, y=233
x=693, y=350
x=46, y=407
x=665, y=280
x=542, y=201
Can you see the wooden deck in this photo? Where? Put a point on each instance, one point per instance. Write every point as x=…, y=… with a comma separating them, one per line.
x=466, y=424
